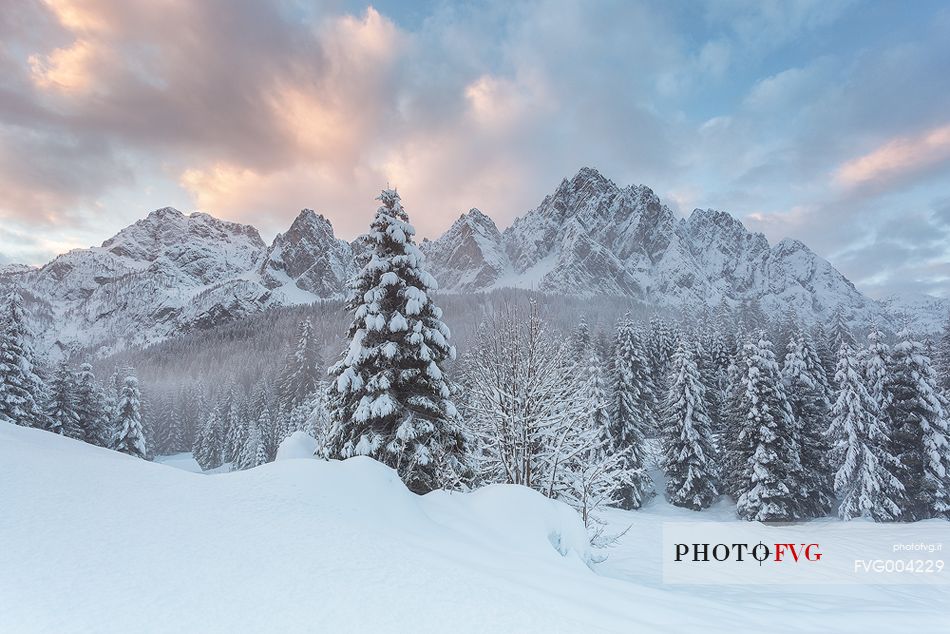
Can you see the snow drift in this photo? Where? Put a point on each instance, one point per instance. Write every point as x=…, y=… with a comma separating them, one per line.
x=94, y=540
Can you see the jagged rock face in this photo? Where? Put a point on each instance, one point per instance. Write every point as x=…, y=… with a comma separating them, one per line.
x=469, y=256
x=196, y=247
x=919, y=312
x=309, y=257
x=591, y=237
x=170, y=272
x=164, y=274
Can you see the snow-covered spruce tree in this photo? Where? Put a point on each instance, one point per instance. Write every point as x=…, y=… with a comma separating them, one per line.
x=317, y=421
x=267, y=426
x=662, y=340
x=581, y=342
x=804, y=379
x=751, y=316
x=826, y=354
x=863, y=480
x=208, y=442
x=251, y=451
x=61, y=408
x=708, y=376
x=302, y=374
x=770, y=478
x=21, y=388
x=261, y=457
x=596, y=394
x=876, y=370
x=734, y=446
x=389, y=398
x=841, y=333
x=720, y=359
x=130, y=437
x=91, y=408
x=688, y=451
x=237, y=431
x=194, y=412
x=172, y=438
x=631, y=407
x=942, y=362
x=783, y=330
x=921, y=432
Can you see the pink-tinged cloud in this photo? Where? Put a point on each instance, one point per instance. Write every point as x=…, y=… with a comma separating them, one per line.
x=898, y=159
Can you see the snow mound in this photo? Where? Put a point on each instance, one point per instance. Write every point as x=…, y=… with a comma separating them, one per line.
x=299, y=444
x=94, y=539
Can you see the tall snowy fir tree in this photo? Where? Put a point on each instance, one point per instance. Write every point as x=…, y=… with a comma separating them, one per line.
x=721, y=358
x=207, y=449
x=921, y=432
x=770, y=471
x=826, y=354
x=267, y=426
x=942, y=362
x=21, y=389
x=688, y=451
x=390, y=399
x=631, y=407
x=804, y=379
x=661, y=344
x=172, y=437
x=91, y=408
x=860, y=452
x=130, y=436
x=238, y=430
x=596, y=394
x=61, y=410
x=581, y=342
x=734, y=450
x=248, y=455
x=303, y=371
x=841, y=333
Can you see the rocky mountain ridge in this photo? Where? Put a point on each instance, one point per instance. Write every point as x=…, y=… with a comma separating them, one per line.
x=170, y=272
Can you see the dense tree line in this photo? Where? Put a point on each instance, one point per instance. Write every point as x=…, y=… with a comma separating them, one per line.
x=71, y=402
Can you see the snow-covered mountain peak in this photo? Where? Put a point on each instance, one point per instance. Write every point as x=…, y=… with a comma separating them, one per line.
x=167, y=231
x=309, y=226
x=470, y=255
x=171, y=272
x=791, y=245
x=308, y=258
x=475, y=221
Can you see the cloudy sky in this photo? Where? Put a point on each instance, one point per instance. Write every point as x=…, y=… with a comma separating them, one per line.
x=821, y=120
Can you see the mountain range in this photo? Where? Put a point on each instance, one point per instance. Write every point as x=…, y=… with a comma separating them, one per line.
x=170, y=272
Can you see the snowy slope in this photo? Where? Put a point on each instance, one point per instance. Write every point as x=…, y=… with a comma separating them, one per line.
x=921, y=312
x=95, y=541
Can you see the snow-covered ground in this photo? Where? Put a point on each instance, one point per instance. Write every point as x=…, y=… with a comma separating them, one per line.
x=94, y=541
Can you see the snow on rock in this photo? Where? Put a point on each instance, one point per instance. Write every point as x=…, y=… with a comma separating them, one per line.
x=920, y=312
x=469, y=256
x=299, y=444
x=309, y=257
x=170, y=273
